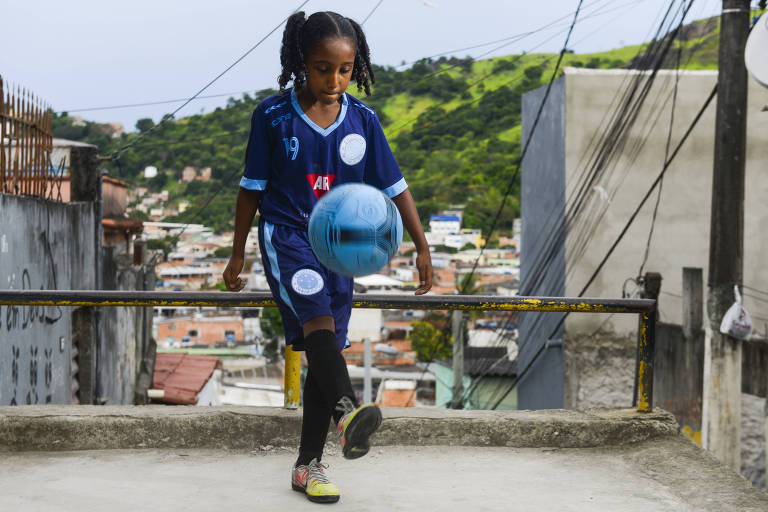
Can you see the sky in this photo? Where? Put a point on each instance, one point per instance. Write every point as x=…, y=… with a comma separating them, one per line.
x=83, y=54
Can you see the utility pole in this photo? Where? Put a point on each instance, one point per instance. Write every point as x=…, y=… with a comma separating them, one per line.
x=721, y=414
x=457, y=324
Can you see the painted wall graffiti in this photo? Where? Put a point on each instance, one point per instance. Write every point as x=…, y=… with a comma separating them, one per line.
x=36, y=320
x=24, y=317
x=47, y=248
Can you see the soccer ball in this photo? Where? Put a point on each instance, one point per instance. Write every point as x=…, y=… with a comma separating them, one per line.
x=355, y=229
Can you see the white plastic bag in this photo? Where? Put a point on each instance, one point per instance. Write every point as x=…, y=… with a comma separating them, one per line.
x=736, y=322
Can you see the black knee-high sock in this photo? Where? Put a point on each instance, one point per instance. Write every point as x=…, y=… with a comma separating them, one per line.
x=329, y=369
x=314, y=423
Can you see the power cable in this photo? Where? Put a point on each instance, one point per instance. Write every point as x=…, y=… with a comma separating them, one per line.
x=666, y=156
x=210, y=199
x=628, y=224
x=115, y=155
x=150, y=103
x=520, y=35
x=755, y=297
x=516, y=37
x=502, y=331
x=190, y=141
x=372, y=11
x=612, y=146
x=657, y=60
x=754, y=289
x=601, y=156
x=520, y=159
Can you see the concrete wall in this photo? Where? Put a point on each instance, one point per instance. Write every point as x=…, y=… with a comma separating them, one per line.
x=43, y=245
x=125, y=332
x=600, y=349
x=542, y=210
x=681, y=235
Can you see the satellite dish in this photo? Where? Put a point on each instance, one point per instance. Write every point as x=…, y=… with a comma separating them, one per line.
x=756, y=51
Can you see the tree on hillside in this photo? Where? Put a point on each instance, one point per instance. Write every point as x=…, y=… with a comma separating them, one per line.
x=145, y=124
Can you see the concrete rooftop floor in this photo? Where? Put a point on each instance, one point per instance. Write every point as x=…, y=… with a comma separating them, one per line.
x=391, y=478
x=193, y=459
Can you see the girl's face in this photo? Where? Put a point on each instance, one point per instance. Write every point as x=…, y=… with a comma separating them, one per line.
x=329, y=66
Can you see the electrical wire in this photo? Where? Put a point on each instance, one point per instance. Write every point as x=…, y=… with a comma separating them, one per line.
x=666, y=156
x=516, y=38
x=115, y=155
x=754, y=289
x=650, y=57
x=150, y=103
x=522, y=34
x=233, y=174
x=614, y=141
x=632, y=217
x=520, y=159
x=372, y=11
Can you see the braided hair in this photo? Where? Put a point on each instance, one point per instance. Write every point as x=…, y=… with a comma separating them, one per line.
x=301, y=34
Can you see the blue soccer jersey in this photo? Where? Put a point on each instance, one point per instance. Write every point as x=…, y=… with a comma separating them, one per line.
x=295, y=162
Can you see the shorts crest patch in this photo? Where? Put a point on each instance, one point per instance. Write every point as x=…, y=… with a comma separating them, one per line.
x=307, y=282
x=352, y=148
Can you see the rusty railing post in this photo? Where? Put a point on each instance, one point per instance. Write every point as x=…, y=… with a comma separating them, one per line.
x=646, y=350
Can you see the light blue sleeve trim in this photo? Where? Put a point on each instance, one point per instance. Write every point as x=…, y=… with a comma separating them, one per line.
x=272, y=255
x=396, y=189
x=250, y=184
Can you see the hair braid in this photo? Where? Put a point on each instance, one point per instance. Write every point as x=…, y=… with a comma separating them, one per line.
x=303, y=33
x=363, y=71
x=291, y=54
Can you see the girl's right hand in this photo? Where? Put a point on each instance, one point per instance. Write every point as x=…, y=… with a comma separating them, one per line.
x=232, y=274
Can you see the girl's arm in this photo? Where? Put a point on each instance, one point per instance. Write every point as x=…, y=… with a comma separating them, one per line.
x=407, y=207
x=248, y=202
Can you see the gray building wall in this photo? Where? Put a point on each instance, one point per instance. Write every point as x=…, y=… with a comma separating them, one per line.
x=681, y=235
x=543, y=212
x=599, y=350
x=125, y=331
x=43, y=245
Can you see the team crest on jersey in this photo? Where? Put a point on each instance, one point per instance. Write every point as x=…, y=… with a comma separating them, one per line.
x=307, y=282
x=352, y=148
x=320, y=183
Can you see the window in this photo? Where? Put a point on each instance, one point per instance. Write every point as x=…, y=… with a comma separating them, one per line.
x=193, y=332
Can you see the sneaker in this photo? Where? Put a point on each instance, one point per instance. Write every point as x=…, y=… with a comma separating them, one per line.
x=356, y=426
x=312, y=481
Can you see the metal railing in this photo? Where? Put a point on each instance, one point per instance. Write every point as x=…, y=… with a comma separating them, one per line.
x=26, y=143
x=644, y=308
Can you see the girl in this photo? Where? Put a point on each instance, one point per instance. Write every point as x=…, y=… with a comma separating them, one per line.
x=303, y=141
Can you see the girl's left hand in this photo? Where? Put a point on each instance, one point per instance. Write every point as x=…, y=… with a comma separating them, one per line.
x=424, y=265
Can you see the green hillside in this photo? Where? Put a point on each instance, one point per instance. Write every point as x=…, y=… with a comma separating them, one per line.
x=454, y=126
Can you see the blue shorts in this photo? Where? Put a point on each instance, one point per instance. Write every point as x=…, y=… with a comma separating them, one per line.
x=302, y=287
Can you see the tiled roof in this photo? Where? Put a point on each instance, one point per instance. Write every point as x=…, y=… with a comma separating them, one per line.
x=182, y=376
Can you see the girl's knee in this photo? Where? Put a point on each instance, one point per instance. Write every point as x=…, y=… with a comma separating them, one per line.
x=319, y=323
